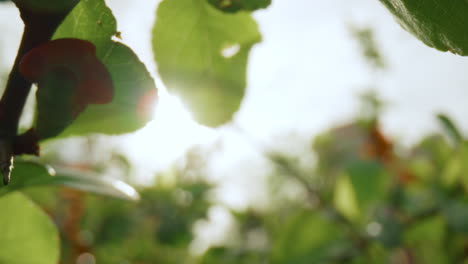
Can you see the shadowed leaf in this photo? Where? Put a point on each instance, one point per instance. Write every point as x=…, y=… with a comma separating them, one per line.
x=439, y=24
x=231, y=6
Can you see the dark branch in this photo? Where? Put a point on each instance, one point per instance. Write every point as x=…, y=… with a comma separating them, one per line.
x=38, y=29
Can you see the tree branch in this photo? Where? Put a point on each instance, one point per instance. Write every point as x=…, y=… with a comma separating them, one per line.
x=38, y=29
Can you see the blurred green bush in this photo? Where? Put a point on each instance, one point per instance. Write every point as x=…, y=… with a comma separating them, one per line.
x=363, y=202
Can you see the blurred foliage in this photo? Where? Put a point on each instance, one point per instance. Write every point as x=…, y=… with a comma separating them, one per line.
x=363, y=202
x=370, y=52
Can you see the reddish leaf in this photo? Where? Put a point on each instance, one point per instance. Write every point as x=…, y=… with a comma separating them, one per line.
x=69, y=77
x=79, y=56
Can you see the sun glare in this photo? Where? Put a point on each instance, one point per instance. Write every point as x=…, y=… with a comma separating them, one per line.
x=168, y=136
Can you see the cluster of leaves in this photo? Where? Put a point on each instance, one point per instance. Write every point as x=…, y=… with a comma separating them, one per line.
x=92, y=21
x=155, y=229
x=89, y=83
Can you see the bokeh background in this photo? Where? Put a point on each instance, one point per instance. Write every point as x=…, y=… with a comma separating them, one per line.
x=335, y=88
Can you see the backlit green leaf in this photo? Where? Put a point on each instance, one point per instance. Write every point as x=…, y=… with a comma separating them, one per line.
x=202, y=56
x=359, y=189
x=91, y=182
x=27, y=173
x=28, y=236
x=345, y=199
x=134, y=97
x=134, y=89
x=31, y=174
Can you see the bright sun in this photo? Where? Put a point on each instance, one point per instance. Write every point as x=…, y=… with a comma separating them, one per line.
x=168, y=136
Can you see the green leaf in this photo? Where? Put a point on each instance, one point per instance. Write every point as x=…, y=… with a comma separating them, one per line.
x=91, y=182
x=134, y=89
x=370, y=52
x=25, y=174
x=28, y=236
x=450, y=128
x=456, y=213
x=368, y=180
x=132, y=106
x=345, y=198
x=391, y=229
x=305, y=237
x=439, y=24
x=455, y=168
x=435, y=150
x=202, y=56
x=428, y=238
x=232, y=6
x=359, y=189
x=54, y=104
x=90, y=20
x=69, y=77
x=431, y=230
x=31, y=174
